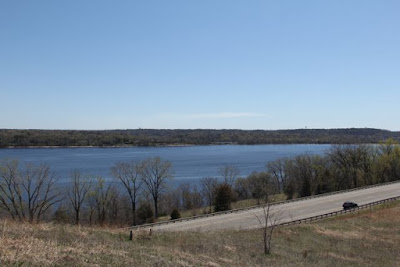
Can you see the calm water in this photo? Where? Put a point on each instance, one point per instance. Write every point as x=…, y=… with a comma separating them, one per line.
x=189, y=163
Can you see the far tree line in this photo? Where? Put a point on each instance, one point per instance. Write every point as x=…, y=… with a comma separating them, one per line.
x=140, y=192
x=150, y=137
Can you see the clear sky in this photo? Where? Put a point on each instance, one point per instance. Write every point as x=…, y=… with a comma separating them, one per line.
x=199, y=64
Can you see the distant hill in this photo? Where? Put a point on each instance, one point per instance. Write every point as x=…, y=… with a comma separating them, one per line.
x=150, y=137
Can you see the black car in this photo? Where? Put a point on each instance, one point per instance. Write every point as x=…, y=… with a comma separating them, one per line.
x=349, y=205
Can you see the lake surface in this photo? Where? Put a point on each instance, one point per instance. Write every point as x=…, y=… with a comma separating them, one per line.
x=190, y=163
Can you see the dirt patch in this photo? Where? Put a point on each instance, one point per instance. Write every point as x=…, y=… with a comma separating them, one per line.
x=351, y=235
x=213, y=264
x=339, y=234
x=345, y=258
x=230, y=248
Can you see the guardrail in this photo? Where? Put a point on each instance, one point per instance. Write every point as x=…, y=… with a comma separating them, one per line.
x=336, y=213
x=149, y=225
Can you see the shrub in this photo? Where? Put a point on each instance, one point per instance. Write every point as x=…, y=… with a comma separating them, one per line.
x=223, y=198
x=175, y=214
x=61, y=215
x=145, y=213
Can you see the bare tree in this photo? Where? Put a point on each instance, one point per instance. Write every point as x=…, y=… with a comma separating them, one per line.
x=128, y=173
x=229, y=173
x=155, y=173
x=305, y=173
x=387, y=165
x=168, y=201
x=197, y=199
x=91, y=201
x=268, y=221
x=352, y=165
x=208, y=187
x=28, y=193
x=10, y=195
x=115, y=206
x=102, y=196
x=259, y=184
x=277, y=169
x=242, y=188
x=79, y=191
x=185, y=196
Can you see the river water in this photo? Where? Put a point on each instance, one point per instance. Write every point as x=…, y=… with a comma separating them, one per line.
x=190, y=163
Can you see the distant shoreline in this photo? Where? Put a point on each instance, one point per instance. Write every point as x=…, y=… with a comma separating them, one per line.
x=11, y=138
x=122, y=146
x=178, y=145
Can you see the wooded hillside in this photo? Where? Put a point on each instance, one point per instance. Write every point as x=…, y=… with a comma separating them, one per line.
x=149, y=137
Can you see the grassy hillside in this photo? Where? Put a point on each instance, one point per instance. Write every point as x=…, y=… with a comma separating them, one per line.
x=370, y=237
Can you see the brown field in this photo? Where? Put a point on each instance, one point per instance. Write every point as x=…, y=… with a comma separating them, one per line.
x=367, y=238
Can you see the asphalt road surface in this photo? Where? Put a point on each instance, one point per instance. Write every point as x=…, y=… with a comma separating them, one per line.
x=284, y=212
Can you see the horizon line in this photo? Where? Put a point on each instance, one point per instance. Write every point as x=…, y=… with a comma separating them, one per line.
x=200, y=129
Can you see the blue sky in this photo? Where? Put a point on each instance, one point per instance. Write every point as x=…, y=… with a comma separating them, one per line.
x=199, y=64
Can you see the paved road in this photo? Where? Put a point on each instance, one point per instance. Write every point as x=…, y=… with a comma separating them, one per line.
x=284, y=212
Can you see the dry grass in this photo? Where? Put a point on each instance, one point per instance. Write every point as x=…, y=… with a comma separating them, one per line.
x=369, y=238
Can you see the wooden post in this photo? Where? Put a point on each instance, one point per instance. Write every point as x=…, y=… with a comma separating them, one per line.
x=131, y=235
x=150, y=232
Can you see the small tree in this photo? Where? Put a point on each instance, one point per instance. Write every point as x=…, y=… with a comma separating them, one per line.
x=78, y=193
x=259, y=185
x=186, y=196
x=61, y=215
x=229, y=174
x=277, y=169
x=197, y=199
x=128, y=173
x=242, y=188
x=268, y=221
x=223, y=198
x=102, y=196
x=145, y=213
x=155, y=173
x=290, y=190
x=26, y=194
x=208, y=190
x=175, y=214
